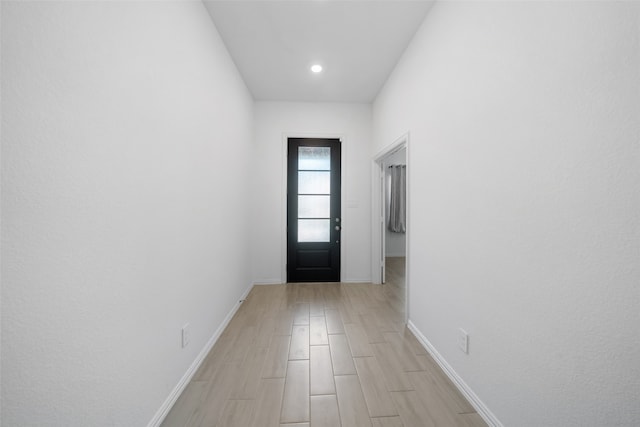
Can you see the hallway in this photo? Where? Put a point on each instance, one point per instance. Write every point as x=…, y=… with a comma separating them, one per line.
x=144, y=194
x=322, y=354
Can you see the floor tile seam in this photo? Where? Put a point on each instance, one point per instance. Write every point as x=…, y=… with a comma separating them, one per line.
x=401, y=391
x=414, y=370
x=274, y=378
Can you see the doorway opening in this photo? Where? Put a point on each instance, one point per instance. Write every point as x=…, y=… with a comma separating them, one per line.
x=313, y=210
x=391, y=222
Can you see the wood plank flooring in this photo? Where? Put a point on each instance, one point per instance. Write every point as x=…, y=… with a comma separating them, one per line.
x=321, y=354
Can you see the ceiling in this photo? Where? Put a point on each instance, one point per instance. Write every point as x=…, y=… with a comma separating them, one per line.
x=357, y=42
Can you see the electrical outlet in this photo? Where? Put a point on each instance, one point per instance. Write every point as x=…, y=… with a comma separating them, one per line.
x=185, y=335
x=463, y=340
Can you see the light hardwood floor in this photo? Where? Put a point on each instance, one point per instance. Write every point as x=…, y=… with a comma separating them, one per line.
x=321, y=354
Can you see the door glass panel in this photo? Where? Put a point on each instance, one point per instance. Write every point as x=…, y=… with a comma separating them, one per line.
x=314, y=230
x=313, y=207
x=314, y=182
x=314, y=158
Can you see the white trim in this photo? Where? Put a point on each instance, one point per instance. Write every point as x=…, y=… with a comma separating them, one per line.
x=392, y=148
x=377, y=238
x=392, y=255
x=268, y=282
x=186, y=378
x=466, y=391
x=283, y=231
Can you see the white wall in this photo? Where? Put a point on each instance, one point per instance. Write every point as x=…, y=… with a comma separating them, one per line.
x=119, y=222
x=524, y=121
x=395, y=243
x=274, y=121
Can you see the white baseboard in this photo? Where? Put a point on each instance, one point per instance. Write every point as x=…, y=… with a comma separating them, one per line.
x=268, y=282
x=277, y=282
x=186, y=378
x=466, y=391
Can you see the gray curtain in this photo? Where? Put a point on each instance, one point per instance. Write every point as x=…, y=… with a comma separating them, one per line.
x=398, y=205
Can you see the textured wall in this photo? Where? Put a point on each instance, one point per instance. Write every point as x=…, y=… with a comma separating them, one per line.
x=525, y=203
x=119, y=219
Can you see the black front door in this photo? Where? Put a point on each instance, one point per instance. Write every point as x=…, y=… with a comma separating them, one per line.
x=313, y=210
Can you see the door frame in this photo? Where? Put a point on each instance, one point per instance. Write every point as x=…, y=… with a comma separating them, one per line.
x=283, y=214
x=378, y=216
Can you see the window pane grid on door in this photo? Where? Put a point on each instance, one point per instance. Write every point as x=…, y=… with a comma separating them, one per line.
x=314, y=158
x=314, y=194
x=314, y=206
x=314, y=182
x=314, y=230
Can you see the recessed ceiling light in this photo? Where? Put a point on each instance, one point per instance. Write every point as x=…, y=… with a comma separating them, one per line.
x=316, y=68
